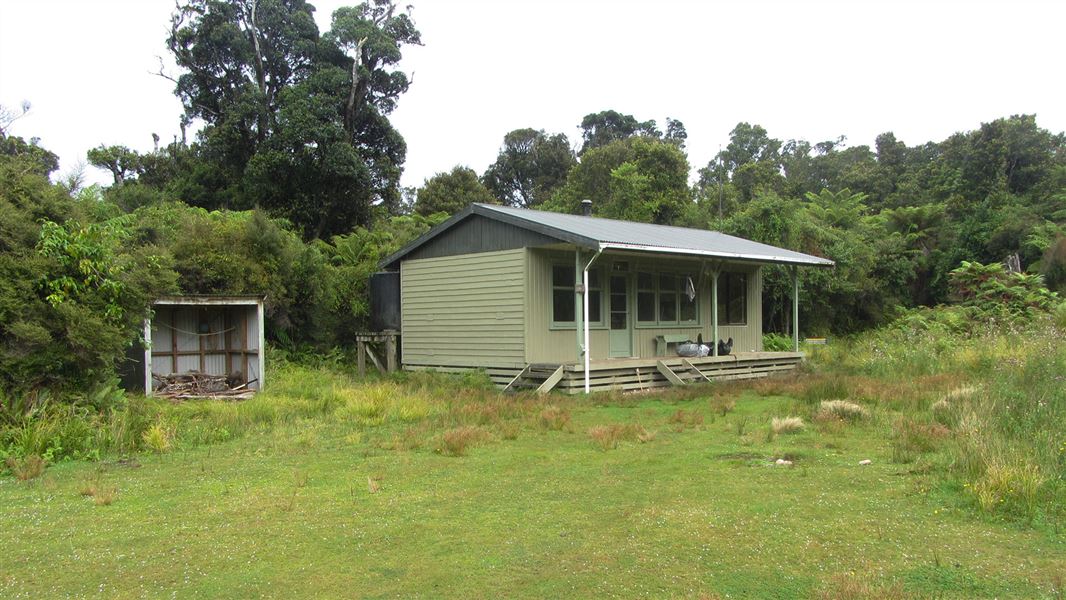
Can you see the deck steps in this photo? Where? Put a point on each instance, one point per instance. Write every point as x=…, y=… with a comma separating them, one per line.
x=631, y=374
x=539, y=377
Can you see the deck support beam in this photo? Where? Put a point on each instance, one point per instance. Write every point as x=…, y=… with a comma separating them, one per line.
x=795, y=309
x=585, y=308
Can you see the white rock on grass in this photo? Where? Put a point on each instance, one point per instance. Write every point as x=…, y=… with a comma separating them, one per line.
x=866, y=462
x=783, y=463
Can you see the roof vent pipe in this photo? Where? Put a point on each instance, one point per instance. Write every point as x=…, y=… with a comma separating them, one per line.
x=586, y=207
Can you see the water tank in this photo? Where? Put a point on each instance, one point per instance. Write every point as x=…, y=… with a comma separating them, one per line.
x=385, y=301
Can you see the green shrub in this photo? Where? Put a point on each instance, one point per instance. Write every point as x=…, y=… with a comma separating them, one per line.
x=1058, y=316
x=776, y=342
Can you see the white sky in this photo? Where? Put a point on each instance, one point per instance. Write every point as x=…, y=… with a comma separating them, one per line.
x=810, y=70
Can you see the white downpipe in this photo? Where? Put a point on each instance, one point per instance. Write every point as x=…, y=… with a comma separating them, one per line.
x=585, y=313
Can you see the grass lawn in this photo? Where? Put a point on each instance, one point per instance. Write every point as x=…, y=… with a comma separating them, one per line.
x=697, y=507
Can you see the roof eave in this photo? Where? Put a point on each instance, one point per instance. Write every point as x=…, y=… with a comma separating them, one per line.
x=762, y=258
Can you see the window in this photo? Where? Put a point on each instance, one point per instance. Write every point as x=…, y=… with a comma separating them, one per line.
x=667, y=298
x=733, y=299
x=645, y=297
x=595, y=296
x=662, y=299
x=563, y=296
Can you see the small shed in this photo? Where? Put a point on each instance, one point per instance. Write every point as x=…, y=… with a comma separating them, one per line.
x=212, y=335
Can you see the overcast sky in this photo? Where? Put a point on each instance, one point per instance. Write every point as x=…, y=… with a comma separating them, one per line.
x=810, y=70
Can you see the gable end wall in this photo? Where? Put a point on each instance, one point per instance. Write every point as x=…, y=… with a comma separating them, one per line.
x=478, y=234
x=465, y=310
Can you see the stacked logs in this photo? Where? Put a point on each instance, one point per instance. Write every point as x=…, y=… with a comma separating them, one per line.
x=184, y=386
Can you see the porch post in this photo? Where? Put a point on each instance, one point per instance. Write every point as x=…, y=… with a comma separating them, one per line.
x=714, y=312
x=579, y=304
x=585, y=329
x=795, y=309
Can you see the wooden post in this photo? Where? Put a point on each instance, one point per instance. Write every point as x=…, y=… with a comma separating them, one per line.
x=148, y=355
x=795, y=310
x=360, y=354
x=244, y=331
x=200, y=339
x=173, y=340
x=226, y=320
x=390, y=351
x=714, y=312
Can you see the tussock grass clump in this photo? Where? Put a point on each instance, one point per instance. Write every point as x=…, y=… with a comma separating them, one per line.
x=722, y=405
x=961, y=394
x=367, y=405
x=509, y=430
x=912, y=438
x=456, y=442
x=480, y=412
x=1014, y=487
x=27, y=468
x=411, y=438
x=157, y=438
x=785, y=425
x=374, y=404
x=855, y=586
x=554, y=418
x=685, y=419
x=608, y=436
x=841, y=410
x=824, y=388
x=105, y=495
x=945, y=413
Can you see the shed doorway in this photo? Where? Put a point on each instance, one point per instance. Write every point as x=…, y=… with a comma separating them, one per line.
x=209, y=335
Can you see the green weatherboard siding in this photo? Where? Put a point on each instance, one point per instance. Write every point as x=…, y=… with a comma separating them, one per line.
x=464, y=310
x=552, y=342
x=494, y=309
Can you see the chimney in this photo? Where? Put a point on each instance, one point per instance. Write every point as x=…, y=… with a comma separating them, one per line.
x=586, y=207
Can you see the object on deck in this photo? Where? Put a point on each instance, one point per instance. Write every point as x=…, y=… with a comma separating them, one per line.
x=725, y=348
x=690, y=349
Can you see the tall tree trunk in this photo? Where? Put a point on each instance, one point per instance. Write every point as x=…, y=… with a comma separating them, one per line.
x=260, y=75
x=350, y=108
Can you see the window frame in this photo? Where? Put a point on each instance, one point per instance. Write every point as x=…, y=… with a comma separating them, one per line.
x=725, y=286
x=552, y=287
x=678, y=292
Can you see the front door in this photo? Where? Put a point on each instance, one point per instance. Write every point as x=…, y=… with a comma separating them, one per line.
x=618, y=316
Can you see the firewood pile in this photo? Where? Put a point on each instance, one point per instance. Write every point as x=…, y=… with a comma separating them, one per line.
x=185, y=386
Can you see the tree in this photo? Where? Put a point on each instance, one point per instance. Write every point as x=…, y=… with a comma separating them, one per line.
x=282, y=104
x=675, y=132
x=452, y=192
x=530, y=166
x=638, y=178
x=38, y=159
x=604, y=127
x=119, y=160
x=749, y=144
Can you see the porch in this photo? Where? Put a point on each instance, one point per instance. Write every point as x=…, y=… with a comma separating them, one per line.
x=640, y=374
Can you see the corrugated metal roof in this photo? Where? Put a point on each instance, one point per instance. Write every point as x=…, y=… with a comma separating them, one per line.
x=611, y=233
x=606, y=234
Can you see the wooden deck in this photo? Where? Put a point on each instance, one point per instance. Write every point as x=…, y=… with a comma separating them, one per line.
x=633, y=374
